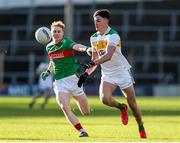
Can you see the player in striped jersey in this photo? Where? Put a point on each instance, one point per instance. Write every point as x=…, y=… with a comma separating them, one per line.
x=115, y=69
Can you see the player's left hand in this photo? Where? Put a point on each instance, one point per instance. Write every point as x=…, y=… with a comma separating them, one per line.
x=82, y=79
x=45, y=74
x=88, y=65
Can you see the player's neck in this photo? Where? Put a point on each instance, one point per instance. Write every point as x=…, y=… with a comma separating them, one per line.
x=103, y=30
x=56, y=41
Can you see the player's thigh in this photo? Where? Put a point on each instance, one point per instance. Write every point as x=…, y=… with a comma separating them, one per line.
x=40, y=93
x=129, y=93
x=47, y=93
x=106, y=89
x=83, y=104
x=63, y=100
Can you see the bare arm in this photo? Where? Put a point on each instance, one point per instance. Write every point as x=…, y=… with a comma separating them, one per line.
x=91, y=66
x=79, y=47
x=106, y=57
x=50, y=67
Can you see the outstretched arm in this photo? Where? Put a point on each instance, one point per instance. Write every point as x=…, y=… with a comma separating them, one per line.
x=80, y=47
x=106, y=57
x=103, y=59
x=48, y=71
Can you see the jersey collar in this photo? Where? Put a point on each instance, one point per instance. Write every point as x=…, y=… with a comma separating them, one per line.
x=107, y=31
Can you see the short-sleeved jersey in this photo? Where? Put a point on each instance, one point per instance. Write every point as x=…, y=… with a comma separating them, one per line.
x=100, y=43
x=63, y=58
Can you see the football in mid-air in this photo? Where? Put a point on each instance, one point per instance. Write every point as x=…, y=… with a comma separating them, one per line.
x=43, y=35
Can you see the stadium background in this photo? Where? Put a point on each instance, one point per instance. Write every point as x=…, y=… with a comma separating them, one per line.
x=149, y=30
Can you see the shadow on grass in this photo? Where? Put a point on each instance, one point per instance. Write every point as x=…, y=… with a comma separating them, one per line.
x=37, y=112
x=28, y=139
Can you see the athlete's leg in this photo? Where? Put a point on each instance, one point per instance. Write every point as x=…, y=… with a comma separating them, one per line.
x=63, y=100
x=129, y=93
x=106, y=90
x=82, y=103
x=47, y=95
x=38, y=95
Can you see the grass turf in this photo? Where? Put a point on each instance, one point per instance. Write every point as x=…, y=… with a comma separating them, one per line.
x=18, y=123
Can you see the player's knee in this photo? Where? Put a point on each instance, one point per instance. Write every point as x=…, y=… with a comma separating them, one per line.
x=64, y=108
x=105, y=100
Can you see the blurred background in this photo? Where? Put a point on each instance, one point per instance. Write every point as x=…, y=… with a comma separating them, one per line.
x=149, y=31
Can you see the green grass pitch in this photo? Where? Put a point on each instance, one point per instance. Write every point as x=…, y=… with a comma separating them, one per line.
x=18, y=123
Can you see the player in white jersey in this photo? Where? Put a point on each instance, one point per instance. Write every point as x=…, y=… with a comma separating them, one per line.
x=115, y=69
x=45, y=87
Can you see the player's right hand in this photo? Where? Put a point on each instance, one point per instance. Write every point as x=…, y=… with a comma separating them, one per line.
x=82, y=79
x=45, y=74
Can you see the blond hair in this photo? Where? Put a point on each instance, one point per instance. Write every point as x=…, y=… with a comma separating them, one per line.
x=58, y=24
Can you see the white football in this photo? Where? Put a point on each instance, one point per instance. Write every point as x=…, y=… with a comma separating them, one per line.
x=43, y=35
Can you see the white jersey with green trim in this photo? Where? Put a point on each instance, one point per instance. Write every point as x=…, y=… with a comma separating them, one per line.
x=100, y=43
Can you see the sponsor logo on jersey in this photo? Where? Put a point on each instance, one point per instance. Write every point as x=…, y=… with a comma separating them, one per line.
x=60, y=54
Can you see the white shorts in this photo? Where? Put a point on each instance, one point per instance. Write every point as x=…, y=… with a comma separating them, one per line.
x=123, y=79
x=68, y=85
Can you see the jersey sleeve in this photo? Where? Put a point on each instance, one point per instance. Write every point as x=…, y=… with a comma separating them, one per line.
x=114, y=40
x=70, y=43
x=93, y=48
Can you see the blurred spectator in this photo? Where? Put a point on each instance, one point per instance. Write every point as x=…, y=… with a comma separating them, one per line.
x=45, y=87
